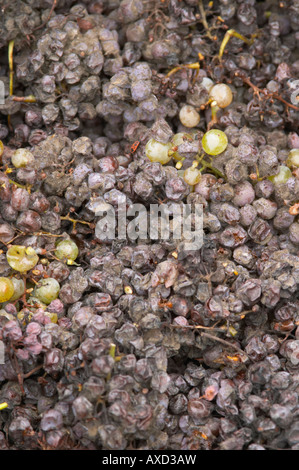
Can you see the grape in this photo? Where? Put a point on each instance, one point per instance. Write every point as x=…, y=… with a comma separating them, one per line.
x=21, y=258
x=24, y=316
x=9, y=316
x=22, y=158
x=214, y=142
x=192, y=176
x=222, y=94
x=207, y=83
x=53, y=317
x=293, y=158
x=282, y=177
x=177, y=140
x=158, y=152
x=1, y=148
x=19, y=288
x=47, y=290
x=6, y=289
x=189, y=117
x=67, y=249
x=35, y=303
x=180, y=138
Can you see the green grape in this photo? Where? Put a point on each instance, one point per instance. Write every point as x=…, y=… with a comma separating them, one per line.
x=19, y=288
x=158, y=152
x=66, y=249
x=22, y=158
x=47, y=290
x=177, y=140
x=283, y=175
x=214, y=142
x=293, y=158
x=21, y=258
x=192, y=176
x=6, y=289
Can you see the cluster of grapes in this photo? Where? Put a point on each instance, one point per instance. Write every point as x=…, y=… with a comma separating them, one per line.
x=23, y=259
x=214, y=142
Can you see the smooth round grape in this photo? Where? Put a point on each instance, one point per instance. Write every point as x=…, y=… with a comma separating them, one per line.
x=19, y=288
x=192, y=176
x=189, y=117
x=67, y=249
x=47, y=290
x=21, y=258
x=283, y=175
x=293, y=158
x=22, y=158
x=158, y=152
x=6, y=289
x=222, y=94
x=214, y=142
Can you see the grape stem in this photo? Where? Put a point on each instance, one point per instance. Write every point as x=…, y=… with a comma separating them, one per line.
x=193, y=66
x=11, y=73
x=200, y=159
x=213, y=337
x=49, y=16
x=24, y=99
x=75, y=222
x=204, y=21
x=268, y=95
x=232, y=33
